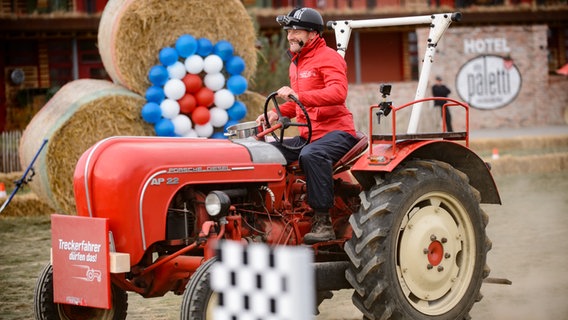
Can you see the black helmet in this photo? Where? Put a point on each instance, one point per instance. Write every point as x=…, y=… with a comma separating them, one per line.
x=302, y=18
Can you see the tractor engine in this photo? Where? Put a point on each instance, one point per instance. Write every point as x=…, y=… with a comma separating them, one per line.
x=251, y=212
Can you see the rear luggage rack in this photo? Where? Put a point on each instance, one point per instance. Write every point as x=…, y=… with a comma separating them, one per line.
x=394, y=137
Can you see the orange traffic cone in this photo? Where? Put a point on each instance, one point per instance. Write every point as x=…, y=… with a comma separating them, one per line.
x=2, y=190
x=495, y=154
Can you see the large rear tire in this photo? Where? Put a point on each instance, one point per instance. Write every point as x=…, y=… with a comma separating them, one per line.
x=419, y=246
x=199, y=300
x=46, y=309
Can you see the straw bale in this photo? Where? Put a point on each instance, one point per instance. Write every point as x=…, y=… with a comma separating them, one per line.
x=81, y=113
x=131, y=34
x=25, y=205
x=536, y=163
x=8, y=179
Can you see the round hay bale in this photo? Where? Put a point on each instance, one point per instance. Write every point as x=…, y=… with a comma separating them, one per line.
x=9, y=179
x=81, y=113
x=131, y=34
x=26, y=205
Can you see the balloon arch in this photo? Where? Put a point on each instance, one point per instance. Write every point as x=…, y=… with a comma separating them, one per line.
x=193, y=91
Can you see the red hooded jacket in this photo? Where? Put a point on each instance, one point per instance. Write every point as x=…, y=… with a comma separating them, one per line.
x=318, y=74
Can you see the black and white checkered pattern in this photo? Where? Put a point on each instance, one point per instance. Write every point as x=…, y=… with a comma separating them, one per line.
x=257, y=282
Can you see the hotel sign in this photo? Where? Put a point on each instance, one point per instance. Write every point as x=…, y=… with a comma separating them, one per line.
x=488, y=82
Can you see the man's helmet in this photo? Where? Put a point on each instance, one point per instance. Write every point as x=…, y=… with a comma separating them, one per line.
x=303, y=19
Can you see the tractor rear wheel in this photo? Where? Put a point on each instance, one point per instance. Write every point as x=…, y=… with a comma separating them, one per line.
x=46, y=309
x=419, y=247
x=199, y=300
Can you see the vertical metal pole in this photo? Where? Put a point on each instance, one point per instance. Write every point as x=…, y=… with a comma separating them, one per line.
x=439, y=24
x=421, y=89
x=357, y=43
x=75, y=57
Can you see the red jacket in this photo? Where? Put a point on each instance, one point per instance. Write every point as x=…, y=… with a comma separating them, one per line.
x=318, y=74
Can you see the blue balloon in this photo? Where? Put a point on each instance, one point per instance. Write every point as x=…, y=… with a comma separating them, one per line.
x=186, y=45
x=237, y=84
x=155, y=94
x=218, y=135
x=205, y=47
x=237, y=111
x=223, y=49
x=168, y=56
x=164, y=128
x=235, y=65
x=151, y=112
x=158, y=75
x=230, y=123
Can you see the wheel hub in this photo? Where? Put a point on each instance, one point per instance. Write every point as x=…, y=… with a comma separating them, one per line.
x=431, y=242
x=435, y=253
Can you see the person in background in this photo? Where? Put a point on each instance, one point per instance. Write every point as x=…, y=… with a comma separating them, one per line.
x=318, y=79
x=439, y=89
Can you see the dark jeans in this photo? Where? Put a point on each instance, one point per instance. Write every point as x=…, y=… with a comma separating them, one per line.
x=448, y=118
x=317, y=160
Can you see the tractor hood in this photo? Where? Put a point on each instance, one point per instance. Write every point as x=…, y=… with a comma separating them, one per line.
x=131, y=180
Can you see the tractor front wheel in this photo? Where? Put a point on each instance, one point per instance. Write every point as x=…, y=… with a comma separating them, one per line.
x=419, y=247
x=199, y=300
x=46, y=309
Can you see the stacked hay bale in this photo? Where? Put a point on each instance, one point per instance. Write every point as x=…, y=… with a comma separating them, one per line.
x=26, y=205
x=81, y=113
x=131, y=34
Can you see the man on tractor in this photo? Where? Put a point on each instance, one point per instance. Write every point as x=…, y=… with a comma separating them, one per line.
x=318, y=79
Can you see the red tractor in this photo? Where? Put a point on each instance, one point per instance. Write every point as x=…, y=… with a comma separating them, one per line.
x=411, y=237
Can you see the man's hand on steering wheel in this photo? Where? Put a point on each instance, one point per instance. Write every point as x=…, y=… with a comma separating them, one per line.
x=285, y=93
x=272, y=117
x=283, y=122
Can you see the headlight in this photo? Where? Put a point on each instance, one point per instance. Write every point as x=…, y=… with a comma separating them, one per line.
x=216, y=203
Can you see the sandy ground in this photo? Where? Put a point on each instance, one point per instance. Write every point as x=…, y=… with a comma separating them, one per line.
x=529, y=248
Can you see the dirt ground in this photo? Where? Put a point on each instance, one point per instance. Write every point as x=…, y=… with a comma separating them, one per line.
x=529, y=248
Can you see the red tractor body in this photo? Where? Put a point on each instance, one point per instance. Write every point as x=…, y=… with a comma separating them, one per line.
x=111, y=174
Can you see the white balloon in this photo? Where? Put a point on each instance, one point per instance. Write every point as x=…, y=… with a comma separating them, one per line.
x=170, y=108
x=191, y=134
x=219, y=117
x=182, y=124
x=174, y=89
x=214, y=81
x=224, y=99
x=212, y=64
x=194, y=64
x=176, y=70
x=204, y=130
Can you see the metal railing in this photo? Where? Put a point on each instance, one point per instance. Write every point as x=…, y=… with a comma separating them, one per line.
x=9, y=157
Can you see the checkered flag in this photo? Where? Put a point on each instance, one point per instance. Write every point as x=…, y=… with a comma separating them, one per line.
x=256, y=281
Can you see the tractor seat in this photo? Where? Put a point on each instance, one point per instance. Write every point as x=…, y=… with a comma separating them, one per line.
x=348, y=158
x=352, y=155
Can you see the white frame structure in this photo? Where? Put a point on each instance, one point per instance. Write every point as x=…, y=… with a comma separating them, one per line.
x=439, y=23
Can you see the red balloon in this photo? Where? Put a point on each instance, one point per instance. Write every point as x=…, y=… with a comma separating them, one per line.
x=200, y=115
x=192, y=83
x=187, y=103
x=205, y=97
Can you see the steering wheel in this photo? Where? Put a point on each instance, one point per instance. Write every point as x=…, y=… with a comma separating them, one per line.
x=284, y=122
